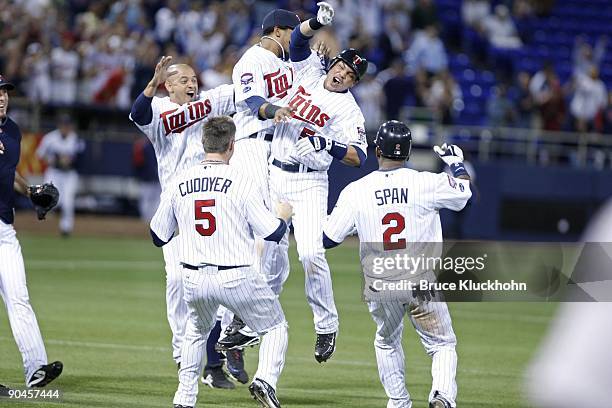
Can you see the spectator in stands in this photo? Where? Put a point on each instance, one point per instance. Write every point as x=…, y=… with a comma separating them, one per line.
x=65, y=63
x=444, y=97
x=589, y=100
x=370, y=96
x=165, y=21
x=525, y=104
x=501, y=111
x=547, y=93
x=397, y=86
x=475, y=12
x=144, y=164
x=427, y=52
x=500, y=29
x=586, y=57
x=36, y=72
x=608, y=116
x=424, y=15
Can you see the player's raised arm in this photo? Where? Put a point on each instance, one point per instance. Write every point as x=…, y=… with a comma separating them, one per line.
x=299, y=48
x=141, y=111
x=340, y=222
x=452, y=192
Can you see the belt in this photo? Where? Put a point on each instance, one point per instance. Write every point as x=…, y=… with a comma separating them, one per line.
x=221, y=268
x=291, y=168
x=267, y=137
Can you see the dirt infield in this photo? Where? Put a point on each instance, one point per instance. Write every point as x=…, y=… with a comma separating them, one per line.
x=85, y=225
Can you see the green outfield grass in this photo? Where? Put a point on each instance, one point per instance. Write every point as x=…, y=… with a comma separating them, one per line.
x=100, y=305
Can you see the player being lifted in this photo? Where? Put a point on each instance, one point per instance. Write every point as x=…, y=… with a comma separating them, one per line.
x=412, y=218
x=326, y=124
x=174, y=126
x=217, y=209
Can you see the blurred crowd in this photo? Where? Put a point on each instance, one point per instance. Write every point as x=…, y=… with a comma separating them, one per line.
x=103, y=53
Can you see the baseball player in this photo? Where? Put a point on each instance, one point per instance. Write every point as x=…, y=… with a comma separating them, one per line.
x=13, y=290
x=217, y=209
x=263, y=75
x=59, y=149
x=396, y=205
x=174, y=125
x=326, y=123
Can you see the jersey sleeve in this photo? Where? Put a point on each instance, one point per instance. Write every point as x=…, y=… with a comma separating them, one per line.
x=221, y=99
x=248, y=79
x=149, y=128
x=341, y=221
x=164, y=223
x=43, y=150
x=354, y=132
x=450, y=192
x=263, y=222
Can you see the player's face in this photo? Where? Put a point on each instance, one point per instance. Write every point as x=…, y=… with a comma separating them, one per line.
x=285, y=38
x=182, y=86
x=340, y=78
x=4, y=98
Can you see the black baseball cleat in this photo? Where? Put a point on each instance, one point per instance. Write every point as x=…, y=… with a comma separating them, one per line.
x=45, y=374
x=236, y=341
x=264, y=393
x=235, y=366
x=181, y=406
x=4, y=391
x=325, y=346
x=439, y=402
x=216, y=378
x=234, y=326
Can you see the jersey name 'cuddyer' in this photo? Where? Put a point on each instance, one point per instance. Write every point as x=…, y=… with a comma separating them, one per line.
x=218, y=207
x=176, y=130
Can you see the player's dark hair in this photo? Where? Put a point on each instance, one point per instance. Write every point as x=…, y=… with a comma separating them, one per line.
x=217, y=134
x=268, y=31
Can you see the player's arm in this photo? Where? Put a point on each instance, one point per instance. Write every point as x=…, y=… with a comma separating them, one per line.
x=142, y=112
x=452, y=192
x=340, y=222
x=299, y=47
x=263, y=222
x=163, y=224
x=21, y=185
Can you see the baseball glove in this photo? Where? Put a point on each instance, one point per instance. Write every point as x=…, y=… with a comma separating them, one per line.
x=44, y=197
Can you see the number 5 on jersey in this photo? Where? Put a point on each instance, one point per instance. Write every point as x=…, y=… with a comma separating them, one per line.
x=201, y=214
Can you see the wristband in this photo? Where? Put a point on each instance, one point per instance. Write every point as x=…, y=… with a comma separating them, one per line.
x=270, y=110
x=458, y=169
x=314, y=24
x=338, y=150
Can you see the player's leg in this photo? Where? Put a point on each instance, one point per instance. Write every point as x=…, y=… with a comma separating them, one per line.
x=388, y=317
x=214, y=376
x=202, y=306
x=16, y=299
x=433, y=324
x=70, y=183
x=276, y=256
x=309, y=200
x=247, y=294
x=176, y=309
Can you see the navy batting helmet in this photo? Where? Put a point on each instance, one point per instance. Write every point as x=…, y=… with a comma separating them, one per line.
x=394, y=140
x=351, y=57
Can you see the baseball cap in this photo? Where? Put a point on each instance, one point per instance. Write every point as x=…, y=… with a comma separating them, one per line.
x=280, y=18
x=6, y=84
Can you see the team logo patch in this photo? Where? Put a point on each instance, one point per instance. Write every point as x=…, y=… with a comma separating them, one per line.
x=398, y=149
x=246, y=78
x=357, y=60
x=362, y=134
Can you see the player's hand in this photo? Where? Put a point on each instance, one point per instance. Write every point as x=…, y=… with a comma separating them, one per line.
x=311, y=144
x=325, y=15
x=1, y=148
x=284, y=114
x=284, y=210
x=450, y=154
x=423, y=296
x=321, y=48
x=161, y=69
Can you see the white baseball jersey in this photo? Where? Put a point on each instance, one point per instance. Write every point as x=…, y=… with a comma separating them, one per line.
x=259, y=72
x=54, y=145
x=176, y=131
x=396, y=206
x=318, y=112
x=216, y=208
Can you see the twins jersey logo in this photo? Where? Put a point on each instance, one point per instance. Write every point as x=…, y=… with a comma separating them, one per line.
x=305, y=110
x=278, y=84
x=176, y=122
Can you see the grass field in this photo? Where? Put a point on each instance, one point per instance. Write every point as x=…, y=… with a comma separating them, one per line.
x=100, y=305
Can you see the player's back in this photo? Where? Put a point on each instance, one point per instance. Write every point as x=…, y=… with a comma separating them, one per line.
x=401, y=205
x=211, y=205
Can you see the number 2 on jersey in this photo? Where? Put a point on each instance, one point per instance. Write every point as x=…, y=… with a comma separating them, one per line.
x=400, y=224
x=200, y=214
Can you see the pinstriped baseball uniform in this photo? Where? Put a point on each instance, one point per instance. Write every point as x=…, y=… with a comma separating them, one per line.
x=218, y=209
x=396, y=207
x=176, y=135
x=320, y=112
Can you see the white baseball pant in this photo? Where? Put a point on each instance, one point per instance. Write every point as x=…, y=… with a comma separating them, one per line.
x=432, y=322
x=66, y=182
x=243, y=291
x=14, y=293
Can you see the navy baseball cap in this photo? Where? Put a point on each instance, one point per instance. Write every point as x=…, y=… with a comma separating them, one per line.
x=6, y=84
x=280, y=18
